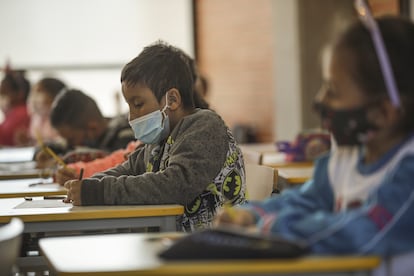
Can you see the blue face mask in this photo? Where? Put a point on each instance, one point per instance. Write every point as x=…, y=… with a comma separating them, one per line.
x=153, y=127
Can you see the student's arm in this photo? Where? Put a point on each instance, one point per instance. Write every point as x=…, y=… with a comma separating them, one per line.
x=101, y=164
x=311, y=196
x=196, y=156
x=383, y=225
x=134, y=165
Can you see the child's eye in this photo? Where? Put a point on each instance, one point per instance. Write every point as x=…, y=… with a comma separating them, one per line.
x=137, y=105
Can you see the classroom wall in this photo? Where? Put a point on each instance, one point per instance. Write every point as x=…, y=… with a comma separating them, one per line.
x=263, y=62
x=86, y=42
x=235, y=53
x=287, y=63
x=263, y=58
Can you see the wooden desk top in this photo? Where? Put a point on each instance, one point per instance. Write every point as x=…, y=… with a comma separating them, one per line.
x=27, y=187
x=34, y=212
x=266, y=154
x=298, y=175
x=136, y=254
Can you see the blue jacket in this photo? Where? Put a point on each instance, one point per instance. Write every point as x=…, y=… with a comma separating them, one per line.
x=382, y=224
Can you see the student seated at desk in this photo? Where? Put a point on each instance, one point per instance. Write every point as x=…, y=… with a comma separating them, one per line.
x=14, y=88
x=78, y=119
x=72, y=170
x=361, y=197
x=190, y=157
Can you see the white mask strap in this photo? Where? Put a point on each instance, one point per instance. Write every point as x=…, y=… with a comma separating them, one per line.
x=166, y=104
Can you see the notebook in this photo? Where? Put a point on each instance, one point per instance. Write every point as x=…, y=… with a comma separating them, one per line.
x=231, y=243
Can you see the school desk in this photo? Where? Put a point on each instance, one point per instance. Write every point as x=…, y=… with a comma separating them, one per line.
x=30, y=188
x=266, y=154
x=136, y=254
x=48, y=215
x=52, y=216
x=16, y=154
x=22, y=171
x=253, y=153
x=294, y=176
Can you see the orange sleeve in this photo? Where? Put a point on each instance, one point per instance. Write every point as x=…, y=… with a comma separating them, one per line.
x=107, y=162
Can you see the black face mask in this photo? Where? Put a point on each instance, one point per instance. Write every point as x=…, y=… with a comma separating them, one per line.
x=349, y=127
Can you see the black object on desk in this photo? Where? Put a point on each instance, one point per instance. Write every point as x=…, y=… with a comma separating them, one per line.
x=223, y=243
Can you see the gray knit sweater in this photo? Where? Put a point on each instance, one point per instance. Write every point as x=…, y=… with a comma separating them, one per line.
x=200, y=167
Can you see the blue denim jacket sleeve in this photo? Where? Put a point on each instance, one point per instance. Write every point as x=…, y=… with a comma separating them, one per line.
x=382, y=225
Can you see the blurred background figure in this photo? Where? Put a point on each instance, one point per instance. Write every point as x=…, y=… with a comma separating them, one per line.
x=88, y=134
x=39, y=106
x=14, y=89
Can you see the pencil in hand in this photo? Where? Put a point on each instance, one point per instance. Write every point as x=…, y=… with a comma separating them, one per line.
x=81, y=174
x=54, y=156
x=48, y=150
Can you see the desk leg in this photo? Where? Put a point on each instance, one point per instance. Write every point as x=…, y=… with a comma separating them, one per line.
x=168, y=224
x=31, y=264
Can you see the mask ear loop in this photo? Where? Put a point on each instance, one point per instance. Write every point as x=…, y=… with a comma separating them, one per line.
x=165, y=107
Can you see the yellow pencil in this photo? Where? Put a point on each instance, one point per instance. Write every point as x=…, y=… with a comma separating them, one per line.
x=49, y=150
x=39, y=139
x=54, y=156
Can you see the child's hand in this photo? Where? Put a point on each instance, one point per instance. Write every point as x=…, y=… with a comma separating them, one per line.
x=44, y=160
x=234, y=216
x=64, y=174
x=74, y=192
x=21, y=137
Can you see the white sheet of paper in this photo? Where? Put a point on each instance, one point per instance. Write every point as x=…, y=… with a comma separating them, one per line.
x=43, y=203
x=11, y=155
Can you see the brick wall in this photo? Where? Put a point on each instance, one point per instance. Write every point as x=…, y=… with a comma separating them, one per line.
x=234, y=51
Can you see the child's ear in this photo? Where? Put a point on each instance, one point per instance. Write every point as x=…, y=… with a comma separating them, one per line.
x=174, y=99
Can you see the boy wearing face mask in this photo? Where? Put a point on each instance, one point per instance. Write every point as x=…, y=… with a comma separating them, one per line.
x=190, y=156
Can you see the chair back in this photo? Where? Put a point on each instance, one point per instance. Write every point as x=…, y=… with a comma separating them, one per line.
x=10, y=242
x=261, y=181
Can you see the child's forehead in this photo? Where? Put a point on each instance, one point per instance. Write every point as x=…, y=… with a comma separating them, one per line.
x=137, y=90
x=39, y=96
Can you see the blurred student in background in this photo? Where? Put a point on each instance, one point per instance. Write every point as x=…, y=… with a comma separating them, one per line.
x=39, y=106
x=78, y=119
x=14, y=89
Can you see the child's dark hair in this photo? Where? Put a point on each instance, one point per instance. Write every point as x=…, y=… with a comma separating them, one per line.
x=51, y=86
x=398, y=35
x=74, y=108
x=17, y=82
x=161, y=67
